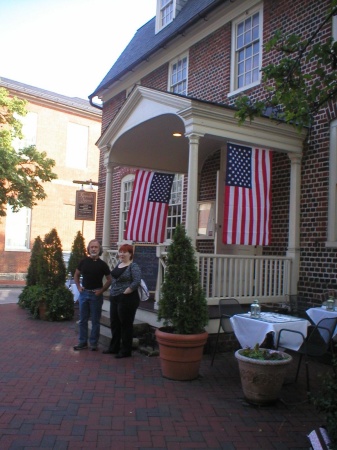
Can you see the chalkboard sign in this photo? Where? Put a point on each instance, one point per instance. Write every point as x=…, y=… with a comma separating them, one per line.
x=145, y=257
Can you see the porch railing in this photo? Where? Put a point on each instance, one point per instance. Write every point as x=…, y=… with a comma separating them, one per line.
x=245, y=278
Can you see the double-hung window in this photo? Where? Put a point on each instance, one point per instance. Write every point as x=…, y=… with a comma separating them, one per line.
x=246, y=51
x=17, y=229
x=165, y=13
x=178, y=75
x=126, y=192
x=77, y=146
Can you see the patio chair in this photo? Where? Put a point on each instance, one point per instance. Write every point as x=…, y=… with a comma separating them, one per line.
x=227, y=308
x=316, y=344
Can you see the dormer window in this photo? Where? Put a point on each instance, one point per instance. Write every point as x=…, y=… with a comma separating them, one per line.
x=165, y=13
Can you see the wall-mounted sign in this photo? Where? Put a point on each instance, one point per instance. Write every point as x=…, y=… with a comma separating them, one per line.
x=85, y=208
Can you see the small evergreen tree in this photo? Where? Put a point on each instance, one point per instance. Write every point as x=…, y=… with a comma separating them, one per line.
x=78, y=252
x=183, y=303
x=35, y=257
x=52, y=272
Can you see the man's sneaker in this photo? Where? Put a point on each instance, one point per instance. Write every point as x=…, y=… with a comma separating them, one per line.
x=81, y=346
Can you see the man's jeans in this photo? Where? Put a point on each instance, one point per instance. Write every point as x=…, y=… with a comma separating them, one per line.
x=90, y=306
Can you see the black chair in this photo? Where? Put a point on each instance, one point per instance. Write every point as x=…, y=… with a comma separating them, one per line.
x=228, y=307
x=316, y=344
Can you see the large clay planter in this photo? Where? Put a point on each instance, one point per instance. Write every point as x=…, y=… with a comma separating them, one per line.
x=262, y=380
x=180, y=354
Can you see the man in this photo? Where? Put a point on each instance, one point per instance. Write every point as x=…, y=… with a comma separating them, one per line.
x=93, y=269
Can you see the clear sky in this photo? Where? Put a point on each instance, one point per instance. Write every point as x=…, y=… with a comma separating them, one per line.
x=67, y=46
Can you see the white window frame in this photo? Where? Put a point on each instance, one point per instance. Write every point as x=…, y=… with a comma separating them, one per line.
x=332, y=204
x=17, y=232
x=174, y=84
x=77, y=145
x=234, y=89
x=125, y=200
x=176, y=200
x=162, y=8
x=334, y=28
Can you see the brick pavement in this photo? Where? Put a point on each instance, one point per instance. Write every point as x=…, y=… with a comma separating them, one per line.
x=52, y=397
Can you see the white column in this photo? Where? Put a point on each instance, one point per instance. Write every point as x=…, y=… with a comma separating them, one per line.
x=192, y=188
x=107, y=208
x=294, y=219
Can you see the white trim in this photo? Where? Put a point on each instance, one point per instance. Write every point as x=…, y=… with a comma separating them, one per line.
x=128, y=178
x=175, y=61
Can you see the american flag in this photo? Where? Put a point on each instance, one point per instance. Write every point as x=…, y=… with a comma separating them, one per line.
x=147, y=215
x=247, y=196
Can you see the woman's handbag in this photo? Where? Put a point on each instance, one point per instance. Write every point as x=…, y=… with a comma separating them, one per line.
x=143, y=291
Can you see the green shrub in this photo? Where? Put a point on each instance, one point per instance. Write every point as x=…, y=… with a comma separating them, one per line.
x=78, y=252
x=183, y=304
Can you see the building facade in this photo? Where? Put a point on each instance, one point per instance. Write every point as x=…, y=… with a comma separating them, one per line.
x=181, y=74
x=67, y=130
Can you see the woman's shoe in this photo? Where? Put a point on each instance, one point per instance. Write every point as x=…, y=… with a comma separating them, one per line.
x=122, y=355
x=109, y=352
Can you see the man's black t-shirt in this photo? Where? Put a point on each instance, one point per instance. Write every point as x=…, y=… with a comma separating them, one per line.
x=93, y=272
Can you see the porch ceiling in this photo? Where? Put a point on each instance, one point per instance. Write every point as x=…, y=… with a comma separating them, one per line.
x=141, y=135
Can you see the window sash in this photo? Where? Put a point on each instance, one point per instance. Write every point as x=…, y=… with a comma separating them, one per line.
x=17, y=233
x=179, y=73
x=77, y=146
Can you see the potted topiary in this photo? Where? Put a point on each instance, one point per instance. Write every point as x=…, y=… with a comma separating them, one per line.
x=183, y=309
x=262, y=372
x=45, y=294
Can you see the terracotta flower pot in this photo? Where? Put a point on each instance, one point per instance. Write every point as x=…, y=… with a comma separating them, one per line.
x=180, y=354
x=262, y=380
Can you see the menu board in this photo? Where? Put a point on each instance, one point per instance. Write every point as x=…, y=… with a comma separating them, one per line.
x=145, y=257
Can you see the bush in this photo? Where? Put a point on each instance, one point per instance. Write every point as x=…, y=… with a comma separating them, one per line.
x=78, y=252
x=183, y=303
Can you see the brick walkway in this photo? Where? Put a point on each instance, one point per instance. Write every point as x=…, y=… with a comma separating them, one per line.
x=54, y=398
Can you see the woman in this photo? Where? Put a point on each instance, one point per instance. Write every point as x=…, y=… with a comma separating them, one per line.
x=124, y=301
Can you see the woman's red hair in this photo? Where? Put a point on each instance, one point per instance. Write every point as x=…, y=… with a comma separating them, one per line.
x=127, y=248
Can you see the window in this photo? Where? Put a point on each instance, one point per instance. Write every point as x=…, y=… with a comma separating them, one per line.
x=127, y=186
x=17, y=229
x=175, y=207
x=165, y=13
x=77, y=146
x=178, y=75
x=246, y=51
x=332, y=212
x=29, y=131
x=334, y=27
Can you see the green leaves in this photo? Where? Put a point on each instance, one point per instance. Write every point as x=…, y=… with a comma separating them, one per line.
x=22, y=173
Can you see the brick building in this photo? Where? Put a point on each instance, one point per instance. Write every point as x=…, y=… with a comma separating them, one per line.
x=181, y=73
x=66, y=129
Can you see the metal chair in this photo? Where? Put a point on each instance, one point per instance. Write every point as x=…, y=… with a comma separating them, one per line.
x=316, y=344
x=228, y=307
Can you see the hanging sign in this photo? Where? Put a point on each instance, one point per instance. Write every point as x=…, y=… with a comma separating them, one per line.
x=85, y=208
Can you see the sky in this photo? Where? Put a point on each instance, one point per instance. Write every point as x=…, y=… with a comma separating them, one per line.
x=67, y=46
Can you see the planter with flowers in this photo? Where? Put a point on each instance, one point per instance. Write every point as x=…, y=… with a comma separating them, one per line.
x=262, y=373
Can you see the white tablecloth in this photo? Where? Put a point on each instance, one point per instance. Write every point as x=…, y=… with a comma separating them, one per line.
x=250, y=331
x=317, y=314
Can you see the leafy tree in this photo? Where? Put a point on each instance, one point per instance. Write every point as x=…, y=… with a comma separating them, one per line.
x=22, y=172
x=78, y=252
x=294, y=93
x=34, y=263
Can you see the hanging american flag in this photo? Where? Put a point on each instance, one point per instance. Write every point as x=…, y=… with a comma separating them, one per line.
x=247, y=196
x=147, y=215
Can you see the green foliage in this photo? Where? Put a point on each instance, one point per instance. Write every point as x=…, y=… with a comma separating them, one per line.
x=52, y=272
x=21, y=172
x=263, y=354
x=78, y=252
x=35, y=257
x=59, y=302
x=46, y=280
x=183, y=303
x=326, y=401
x=302, y=81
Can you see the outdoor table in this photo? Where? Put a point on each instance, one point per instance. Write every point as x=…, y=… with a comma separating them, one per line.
x=319, y=313
x=251, y=330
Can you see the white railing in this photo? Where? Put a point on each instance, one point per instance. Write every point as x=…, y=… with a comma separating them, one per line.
x=245, y=278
